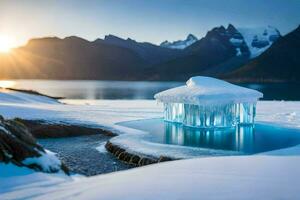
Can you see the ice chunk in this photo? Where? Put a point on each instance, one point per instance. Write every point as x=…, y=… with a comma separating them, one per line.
x=209, y=103
x=227, y=115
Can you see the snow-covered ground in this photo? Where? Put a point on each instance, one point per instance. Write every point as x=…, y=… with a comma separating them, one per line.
x=272, y=175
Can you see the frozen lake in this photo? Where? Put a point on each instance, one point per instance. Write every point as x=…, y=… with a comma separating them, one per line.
x=244, y=139
x=80, y=89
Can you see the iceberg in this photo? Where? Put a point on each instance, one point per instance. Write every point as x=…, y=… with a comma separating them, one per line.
x=207, y=102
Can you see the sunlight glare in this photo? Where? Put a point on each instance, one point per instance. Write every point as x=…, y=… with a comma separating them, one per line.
x=7, y=84
x=6, y=43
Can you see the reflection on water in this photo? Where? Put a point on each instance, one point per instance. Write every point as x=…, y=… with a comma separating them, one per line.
x=245, y=139
x=81, y=89
x=239, y=139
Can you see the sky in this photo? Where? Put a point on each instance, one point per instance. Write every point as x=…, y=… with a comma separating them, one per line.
x=143, y=20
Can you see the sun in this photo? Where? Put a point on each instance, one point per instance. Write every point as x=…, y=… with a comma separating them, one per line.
x=6, y=43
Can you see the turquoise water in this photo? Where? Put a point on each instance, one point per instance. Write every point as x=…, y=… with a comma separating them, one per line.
x=245, y=139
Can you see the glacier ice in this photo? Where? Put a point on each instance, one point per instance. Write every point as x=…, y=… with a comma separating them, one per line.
x=209, y=103
x=215, y=116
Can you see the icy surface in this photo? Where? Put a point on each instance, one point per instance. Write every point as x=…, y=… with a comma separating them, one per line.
x=272, y=175
x=202, y=90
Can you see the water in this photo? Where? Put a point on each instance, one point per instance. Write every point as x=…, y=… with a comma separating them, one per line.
x=244, y=139
x=82, y=157
x=80, y=89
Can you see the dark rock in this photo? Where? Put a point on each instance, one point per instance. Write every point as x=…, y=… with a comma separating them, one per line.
x=121, y=156
x=164, y=159
x=42, y=129
x=147, y=161
x=132, y=158
x=18, y=144
x=127, y=157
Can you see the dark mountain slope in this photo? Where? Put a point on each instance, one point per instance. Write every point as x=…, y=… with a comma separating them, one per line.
x=150, y=53
x=212, y=50
x=70, y=58
x=281, y=62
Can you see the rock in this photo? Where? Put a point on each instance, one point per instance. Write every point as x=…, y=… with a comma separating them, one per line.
x=132, y=158
x=17, y=145
x=42, y=129
x=164, y=159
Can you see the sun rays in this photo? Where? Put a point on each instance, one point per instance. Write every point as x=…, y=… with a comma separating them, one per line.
x=6, y=43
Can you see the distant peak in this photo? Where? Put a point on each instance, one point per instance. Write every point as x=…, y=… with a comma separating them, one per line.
x=231, y=28
x=191, y=37
x=164, y=43
x=180, y=44
x=130, y=40
x=110, y=36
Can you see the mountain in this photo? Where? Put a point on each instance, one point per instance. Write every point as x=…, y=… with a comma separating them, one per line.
x=69, y=58
x=280, y=62
x=221, y=52
x=218, y=46
x=257, y=39
x=180, y=44
x=150, y=53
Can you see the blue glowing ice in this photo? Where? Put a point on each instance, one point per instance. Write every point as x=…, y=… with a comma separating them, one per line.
x=208, y=103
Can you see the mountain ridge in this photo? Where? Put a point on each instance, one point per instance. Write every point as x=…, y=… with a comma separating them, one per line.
x=222, y=51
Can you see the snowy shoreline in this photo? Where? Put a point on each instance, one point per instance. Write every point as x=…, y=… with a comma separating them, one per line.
x=262, y=176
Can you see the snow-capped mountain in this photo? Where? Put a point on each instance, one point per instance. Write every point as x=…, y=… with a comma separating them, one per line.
x=259, y=39
x=180, y=44
x=280, y=62
x=256, y=39
x=226, y=41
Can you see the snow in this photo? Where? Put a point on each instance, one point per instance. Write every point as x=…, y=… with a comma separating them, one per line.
x=101, y=148
x=238, y=52
x=5, y=130
x=180, y=44
x=271, y=175
x=201, y=90
x=235, y=41
x=250, y=33
x=19, y=97
x=13, y=178
x=233, y=177
x=48, y=161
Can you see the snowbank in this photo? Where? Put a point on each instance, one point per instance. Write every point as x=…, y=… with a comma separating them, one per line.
x=238, y=177
x=47, y=161
x=9, y=96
